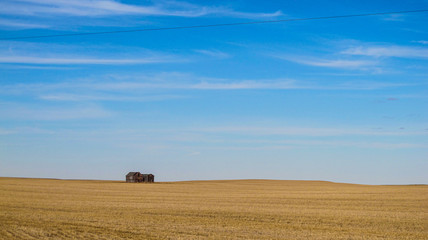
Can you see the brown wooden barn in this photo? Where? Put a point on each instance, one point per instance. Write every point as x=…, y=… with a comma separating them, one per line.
x=148, y=178
x=138, y=177
x=133, y=177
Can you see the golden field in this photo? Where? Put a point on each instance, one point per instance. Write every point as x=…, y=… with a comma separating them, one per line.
x=238, y=209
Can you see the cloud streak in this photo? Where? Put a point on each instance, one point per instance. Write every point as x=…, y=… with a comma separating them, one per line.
x=75, y=97
x=42, y=14
x=388, y=51
x=7, y=23
x=421, y=42
x=213, y=53
x=93, y=8
x=41, y=9
x=304, y=131
x=355, y=55
x=26, y=112
x=168, y=86
x=130, y=88
x=80, y=61
x=329, y=63
x=55, y=54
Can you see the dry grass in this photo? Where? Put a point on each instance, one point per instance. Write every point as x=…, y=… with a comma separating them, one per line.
x=246, y=209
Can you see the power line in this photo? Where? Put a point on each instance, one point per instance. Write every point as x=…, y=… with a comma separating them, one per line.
x=213, y=25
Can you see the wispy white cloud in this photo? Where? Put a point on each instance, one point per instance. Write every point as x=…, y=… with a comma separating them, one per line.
x=7, y=23
x=50, y=13
x=104, y=89
x=130, y=87
x=356, y=144
x=194, y=154
x=79, y=61
x=246, y=84
x=56, y=54
x=335, y=63
x=86, y=8
x=259, y=137
x=421, y=42
x=237, y=14
x=361, y=56
x=46, y=113
x=305, y=131
x=388, y=51
x=331, y=63
x=245, y=137
x=392, y=99
x=6, y=131
x=213, y=53
x=39, y=67
x=105, y=97
x=368, y=85
x=25, y=131
x=40, y=9
x=394, y=18
x=271, y=144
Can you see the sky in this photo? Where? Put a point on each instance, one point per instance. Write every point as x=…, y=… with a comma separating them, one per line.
x=341, y=100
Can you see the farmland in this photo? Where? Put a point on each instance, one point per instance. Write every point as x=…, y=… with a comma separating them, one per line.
x=235, y=209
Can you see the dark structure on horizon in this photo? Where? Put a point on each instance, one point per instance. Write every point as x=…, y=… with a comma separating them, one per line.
x=137, y=177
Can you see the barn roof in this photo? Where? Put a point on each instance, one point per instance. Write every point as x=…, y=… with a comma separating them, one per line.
x=131, y=174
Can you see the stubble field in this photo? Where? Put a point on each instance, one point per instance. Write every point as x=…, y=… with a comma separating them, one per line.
x=241, y=209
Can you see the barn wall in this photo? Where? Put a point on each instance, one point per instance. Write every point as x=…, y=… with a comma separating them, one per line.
x=138, y=177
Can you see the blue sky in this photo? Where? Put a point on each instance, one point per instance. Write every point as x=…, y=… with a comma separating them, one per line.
x=341, y=100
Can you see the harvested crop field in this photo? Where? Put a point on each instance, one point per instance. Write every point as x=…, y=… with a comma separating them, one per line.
x=236, y=209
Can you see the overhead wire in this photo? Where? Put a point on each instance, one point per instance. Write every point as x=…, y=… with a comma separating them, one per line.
x=212, y=25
